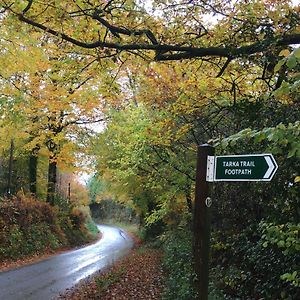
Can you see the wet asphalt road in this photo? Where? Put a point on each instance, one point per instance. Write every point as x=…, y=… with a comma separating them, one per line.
x=46, y=279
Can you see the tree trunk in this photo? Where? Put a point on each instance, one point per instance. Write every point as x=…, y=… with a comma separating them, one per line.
x=33, y=162
x=10, y=168
x=51, y=188
x=188, y=197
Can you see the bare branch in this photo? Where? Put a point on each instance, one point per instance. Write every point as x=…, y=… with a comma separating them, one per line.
x=72, y=91
x=26, y=9
x=224, y=67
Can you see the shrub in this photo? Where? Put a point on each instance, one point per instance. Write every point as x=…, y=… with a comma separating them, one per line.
x=248, y=270
x=178, y=265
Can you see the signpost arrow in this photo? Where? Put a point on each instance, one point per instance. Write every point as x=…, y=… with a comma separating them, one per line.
x=250, y=167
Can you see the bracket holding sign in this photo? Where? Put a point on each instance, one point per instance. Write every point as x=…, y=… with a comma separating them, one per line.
x=248, y=167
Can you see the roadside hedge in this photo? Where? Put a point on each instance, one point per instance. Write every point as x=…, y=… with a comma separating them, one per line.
x=30, y=227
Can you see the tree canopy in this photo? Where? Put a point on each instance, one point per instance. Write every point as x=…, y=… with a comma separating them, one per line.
x=166, y=30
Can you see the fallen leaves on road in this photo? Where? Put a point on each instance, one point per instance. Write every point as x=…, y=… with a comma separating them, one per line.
x=138, y=276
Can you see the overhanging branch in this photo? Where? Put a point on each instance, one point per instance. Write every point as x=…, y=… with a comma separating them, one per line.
x=165, y=52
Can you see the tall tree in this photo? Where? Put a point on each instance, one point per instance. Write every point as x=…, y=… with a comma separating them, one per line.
x=56, y=100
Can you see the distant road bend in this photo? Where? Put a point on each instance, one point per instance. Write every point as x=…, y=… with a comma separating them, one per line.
x=46, y=279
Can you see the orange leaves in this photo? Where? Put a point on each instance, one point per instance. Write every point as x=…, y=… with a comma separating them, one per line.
x=138, y=276
x=24, y=211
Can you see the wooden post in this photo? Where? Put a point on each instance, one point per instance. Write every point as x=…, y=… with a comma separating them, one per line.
x=69, y=192
x=10, y=168
x=201, y=230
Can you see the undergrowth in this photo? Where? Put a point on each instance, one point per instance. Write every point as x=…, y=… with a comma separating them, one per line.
x=178, y=266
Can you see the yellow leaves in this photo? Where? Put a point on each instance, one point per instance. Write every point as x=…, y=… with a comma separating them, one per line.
x=48, y=105
x=19, y=5
x=284, y=52
x=32, y=142
x=166, y=131
x=67, y=159
x=10, y=131
x=182, y=131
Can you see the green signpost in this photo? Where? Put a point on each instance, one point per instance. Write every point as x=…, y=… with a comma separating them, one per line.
x=210, y=168
x=250, y=167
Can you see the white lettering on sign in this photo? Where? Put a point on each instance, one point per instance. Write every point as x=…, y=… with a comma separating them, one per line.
x=247, y=164
x=237, y=172
x=238, y=164
x=231, y=164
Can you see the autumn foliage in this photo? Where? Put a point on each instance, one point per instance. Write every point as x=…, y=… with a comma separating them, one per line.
x=29, y=227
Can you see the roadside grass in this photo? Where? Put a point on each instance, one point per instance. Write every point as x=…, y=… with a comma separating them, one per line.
x=132, y=228
x=92, y=228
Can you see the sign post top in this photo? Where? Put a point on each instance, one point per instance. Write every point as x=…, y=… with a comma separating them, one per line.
x=249, y=167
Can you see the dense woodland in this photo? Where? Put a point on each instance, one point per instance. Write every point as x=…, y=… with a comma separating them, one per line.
x=127, y=91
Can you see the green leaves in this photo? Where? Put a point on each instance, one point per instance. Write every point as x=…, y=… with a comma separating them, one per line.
x=279, y=65
x=297, y=53
x=178, y=264
x=291, y=59
x=280, y=139
x=291, y=62
x=292, y=278
x=284, y=236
